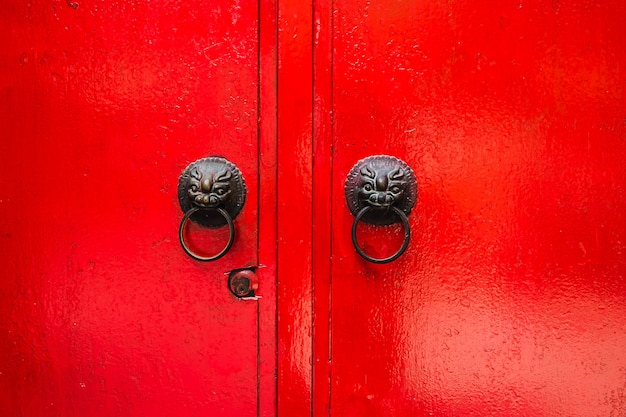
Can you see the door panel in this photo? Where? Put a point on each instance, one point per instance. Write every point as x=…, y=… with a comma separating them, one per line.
x=103, y=105
x=510, y=299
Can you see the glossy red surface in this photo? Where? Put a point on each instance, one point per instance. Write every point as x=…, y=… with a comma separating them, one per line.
x=102, y=105
x=510, y=300
x=295, y=231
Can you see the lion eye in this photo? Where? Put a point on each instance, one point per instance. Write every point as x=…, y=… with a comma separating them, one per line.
x=367, y=187
x=221, y=191
x=395, y=189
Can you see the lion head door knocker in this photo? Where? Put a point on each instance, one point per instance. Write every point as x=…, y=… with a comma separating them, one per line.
x=381, y=190
x=211, y=193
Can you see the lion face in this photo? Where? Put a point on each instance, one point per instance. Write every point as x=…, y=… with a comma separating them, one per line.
x=381, y=187
x=210, y=190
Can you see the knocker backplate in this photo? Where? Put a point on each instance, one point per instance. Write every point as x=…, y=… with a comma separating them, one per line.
x=211, y=183
x=380, y=182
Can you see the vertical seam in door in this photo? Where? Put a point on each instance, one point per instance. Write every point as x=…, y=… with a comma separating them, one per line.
x=322, y=203
x=331, y=167
x=312, y=390
x=276, y=72
x=331, y=188
x=313, y=257
x=275, y=189
x=258, y=218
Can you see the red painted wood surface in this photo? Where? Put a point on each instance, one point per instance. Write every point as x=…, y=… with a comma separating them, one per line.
x=295, y=211
x=102, y=106
x=510, y=300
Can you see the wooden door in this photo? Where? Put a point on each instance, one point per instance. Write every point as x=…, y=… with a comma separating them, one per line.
x=510, y=300
x=103, y=104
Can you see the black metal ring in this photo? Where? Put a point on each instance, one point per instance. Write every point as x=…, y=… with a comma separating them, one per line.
x=405, y=244
x=231, y=236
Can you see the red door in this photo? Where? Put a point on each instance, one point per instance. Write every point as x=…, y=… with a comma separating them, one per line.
x=510, y=299
x=103, y=104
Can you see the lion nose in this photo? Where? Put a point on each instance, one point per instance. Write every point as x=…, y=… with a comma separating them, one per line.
x=207, y=184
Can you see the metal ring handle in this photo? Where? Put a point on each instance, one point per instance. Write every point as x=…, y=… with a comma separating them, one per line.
x=231, y=235
x=405, y=244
